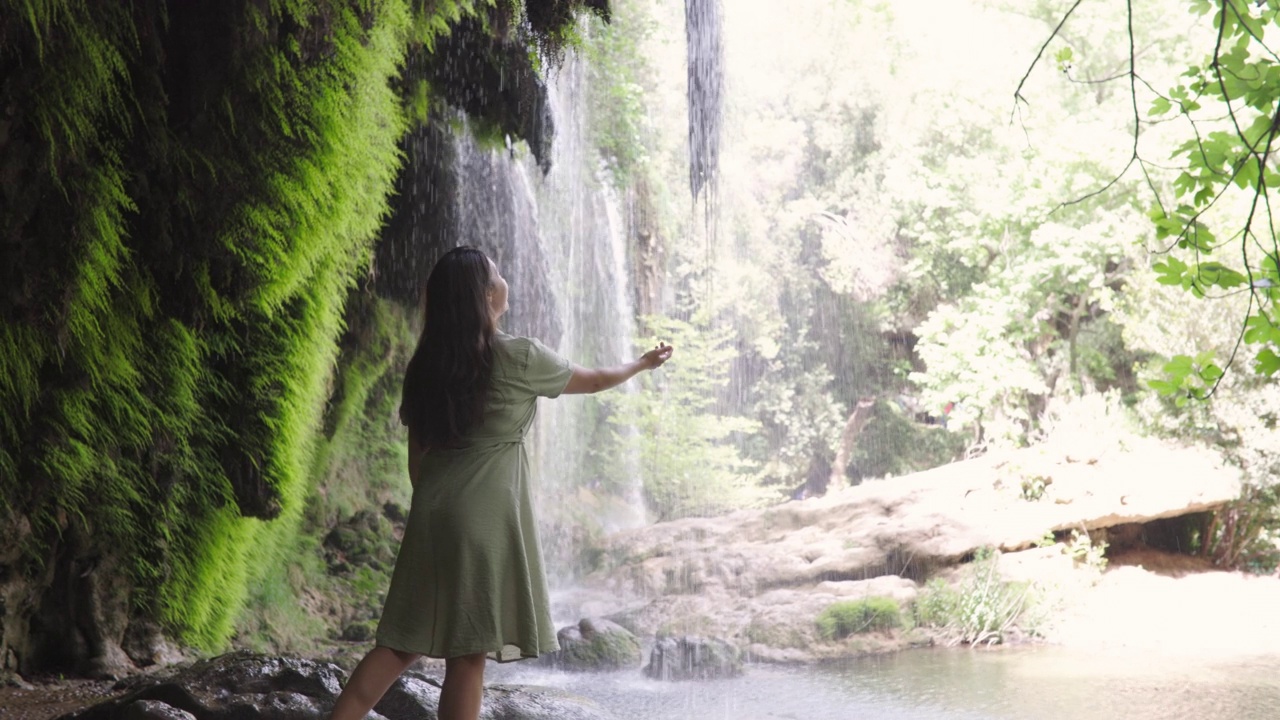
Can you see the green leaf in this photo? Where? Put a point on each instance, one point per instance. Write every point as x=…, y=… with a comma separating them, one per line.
x=1178, y=368
x=1266, y=362
x=1170, y=271
x=1160, y=106
x=1259, y=329
x=1210, y=373
x=1215, y=273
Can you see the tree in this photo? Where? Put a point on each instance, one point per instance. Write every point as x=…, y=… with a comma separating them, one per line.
x=687, y=449
x=1228, y=106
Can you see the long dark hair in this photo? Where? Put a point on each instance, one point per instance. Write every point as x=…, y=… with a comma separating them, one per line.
x=447, y=382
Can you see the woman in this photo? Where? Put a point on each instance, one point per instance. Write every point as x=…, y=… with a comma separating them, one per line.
x=468, y=582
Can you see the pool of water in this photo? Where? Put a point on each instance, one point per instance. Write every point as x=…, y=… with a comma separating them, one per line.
x=1040, y=683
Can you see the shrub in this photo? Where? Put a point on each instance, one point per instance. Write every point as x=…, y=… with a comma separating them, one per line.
x=856, y=616
x=981, y=609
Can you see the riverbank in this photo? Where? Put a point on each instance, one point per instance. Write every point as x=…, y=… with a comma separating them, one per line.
x=1050, y=517
x=1123, y=618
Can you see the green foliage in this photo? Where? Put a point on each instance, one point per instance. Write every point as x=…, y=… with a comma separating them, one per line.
x=800, y=420
x=1221, y=197
x=1033, y=488
x=687, y=450
x=1246, y=533
x=894, y=443
x=361, y=458
x=619, y=82
x=175, y=392
x=980, y=610
x=1069, y=275
x=1084, y=551
x=357, y=469
x=842, y=619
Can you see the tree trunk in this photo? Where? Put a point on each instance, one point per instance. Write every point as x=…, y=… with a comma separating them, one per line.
x=858, y=420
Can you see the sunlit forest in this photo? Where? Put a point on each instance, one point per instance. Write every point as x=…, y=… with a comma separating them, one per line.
x=917, y=211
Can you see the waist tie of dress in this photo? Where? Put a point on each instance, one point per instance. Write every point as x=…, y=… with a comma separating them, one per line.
x=481, y=444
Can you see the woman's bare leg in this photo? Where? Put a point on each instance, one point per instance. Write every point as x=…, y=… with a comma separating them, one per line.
x=463, y=687
x=369, y=681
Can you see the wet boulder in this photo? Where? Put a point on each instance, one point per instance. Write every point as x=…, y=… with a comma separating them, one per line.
x=692, y=657
x=417, y=695
x=596, y=644
x=239, y=685
x=414, y=696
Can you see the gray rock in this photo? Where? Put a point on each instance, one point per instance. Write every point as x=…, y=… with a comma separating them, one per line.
x=232, y=687
x=154, y=710
x=528, y=702
x=414, y=696
x=693, y=658
x=245, y=686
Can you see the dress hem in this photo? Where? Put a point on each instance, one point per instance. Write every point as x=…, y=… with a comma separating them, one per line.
x=489, y=654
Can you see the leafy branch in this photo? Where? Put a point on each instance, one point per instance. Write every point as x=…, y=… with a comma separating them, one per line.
x=1229, y=154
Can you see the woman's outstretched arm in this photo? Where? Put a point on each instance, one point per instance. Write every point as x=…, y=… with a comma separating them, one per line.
x=593, y=380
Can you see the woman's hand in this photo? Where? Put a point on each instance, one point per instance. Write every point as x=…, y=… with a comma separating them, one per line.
x=655, y=357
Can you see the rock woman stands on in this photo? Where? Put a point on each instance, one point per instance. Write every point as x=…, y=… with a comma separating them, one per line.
x=469, y=582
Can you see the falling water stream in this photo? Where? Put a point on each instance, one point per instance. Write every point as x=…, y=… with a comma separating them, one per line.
x=581, y=228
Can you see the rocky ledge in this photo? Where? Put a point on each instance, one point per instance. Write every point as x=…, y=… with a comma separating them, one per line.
x=760, y=578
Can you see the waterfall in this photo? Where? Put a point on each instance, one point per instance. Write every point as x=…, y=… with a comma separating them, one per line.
x=583, y=231
x=703, y=29
x=560, y=241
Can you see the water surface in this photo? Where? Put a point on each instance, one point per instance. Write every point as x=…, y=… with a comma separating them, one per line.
x=1014, y=684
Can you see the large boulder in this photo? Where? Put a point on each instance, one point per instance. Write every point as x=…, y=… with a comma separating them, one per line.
x=246, y=686
x=691, y=657
x=911, y=525
x=596, y=644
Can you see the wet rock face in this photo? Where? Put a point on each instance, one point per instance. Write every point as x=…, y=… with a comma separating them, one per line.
x=493, y=79
x=596, y=644
x=244, y=686
x=693, y=658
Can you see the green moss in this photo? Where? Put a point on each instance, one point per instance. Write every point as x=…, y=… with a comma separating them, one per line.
x=198, y=192
x=174, y=347
x=777, y=635
x=358, y=464
x=611, y=648
x=843, y=619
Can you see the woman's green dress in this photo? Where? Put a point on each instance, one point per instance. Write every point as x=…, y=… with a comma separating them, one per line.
x=469, y=576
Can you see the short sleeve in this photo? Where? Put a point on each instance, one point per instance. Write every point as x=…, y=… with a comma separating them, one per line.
x=545, y=372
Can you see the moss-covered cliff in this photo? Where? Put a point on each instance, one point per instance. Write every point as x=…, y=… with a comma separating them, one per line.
x=190, y=193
